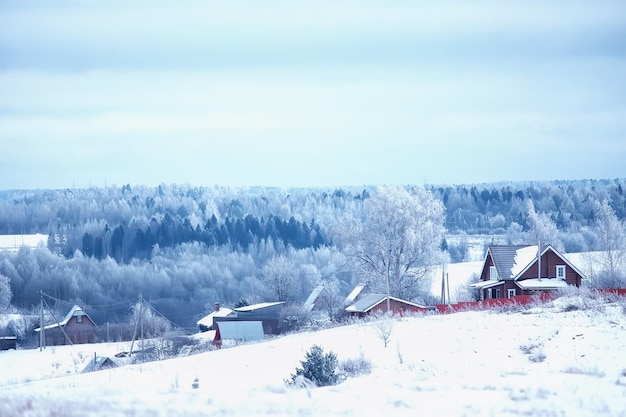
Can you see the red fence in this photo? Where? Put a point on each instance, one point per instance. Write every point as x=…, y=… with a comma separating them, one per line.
x=617, y=291
x=517, y=300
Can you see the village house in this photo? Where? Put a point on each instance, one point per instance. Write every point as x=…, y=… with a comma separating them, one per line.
x=77, y=326
x=377, y=303
x=206, y=322
x=361, y=305
x=269, y=314
x=510, y=270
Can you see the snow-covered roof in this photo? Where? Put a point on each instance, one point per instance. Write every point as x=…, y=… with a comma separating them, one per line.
x=208, y=319
x=75, y=311
x=523, y=257
x=258, y=306
x=509, y=259
x=354, y=294
x=98, y=363
x=310, y=301
x=369, y=301
x=541, y=284
x=486, y=284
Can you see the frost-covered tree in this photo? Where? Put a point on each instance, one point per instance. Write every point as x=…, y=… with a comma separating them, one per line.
x=5, y=293
x=143, y=316
x=611, y=233
x=396, y=242
x=330, y=299
x=542, y=228
x=280, y=278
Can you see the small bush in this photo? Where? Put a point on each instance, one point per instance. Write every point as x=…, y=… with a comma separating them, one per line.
x=318, y=367
x=534, y=351
x=355, y=367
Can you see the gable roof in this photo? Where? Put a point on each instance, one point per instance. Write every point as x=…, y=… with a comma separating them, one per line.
x=509, y=260
x=98, y=363
x=369, y=301
x=75, y=311
x=557, y=253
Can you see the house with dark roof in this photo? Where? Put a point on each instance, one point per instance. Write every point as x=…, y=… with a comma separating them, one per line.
x=76, y=328
x=510, y=270
x=377, y=303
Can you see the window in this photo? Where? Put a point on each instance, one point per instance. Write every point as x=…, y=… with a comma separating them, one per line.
x=493, y=273
x=510, y=292
x=497, y=293
x=79, y=318
x=489, y=294
x=560, y=271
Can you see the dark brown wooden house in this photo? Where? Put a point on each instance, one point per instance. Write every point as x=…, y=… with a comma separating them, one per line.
x=510, y=270
x=77, y=326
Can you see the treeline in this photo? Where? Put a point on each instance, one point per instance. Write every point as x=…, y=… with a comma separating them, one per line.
x=481, y=208
x=140, y=239
x=491, y=208
x=129, y=223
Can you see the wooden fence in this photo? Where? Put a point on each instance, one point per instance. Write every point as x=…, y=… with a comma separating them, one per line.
x=520, y=300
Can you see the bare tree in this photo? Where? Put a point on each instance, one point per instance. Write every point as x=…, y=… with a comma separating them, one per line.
x=384, y=327
x=396, y=242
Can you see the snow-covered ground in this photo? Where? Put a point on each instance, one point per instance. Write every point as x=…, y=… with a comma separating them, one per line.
x=551, y=360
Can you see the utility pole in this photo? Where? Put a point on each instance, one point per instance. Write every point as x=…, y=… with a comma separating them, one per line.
x=538, y=259
x=388, y=265
x=141, y=320
x=443, y=284
x=42, y=336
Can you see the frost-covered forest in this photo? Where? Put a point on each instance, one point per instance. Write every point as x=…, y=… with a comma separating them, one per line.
x=185, y=247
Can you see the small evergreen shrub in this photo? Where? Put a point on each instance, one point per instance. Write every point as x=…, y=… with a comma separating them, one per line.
x=318, y=367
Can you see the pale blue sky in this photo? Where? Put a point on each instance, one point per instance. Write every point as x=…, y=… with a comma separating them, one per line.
x=326, y=93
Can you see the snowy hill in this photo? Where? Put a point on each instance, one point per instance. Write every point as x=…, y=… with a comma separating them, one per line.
x=565, y=358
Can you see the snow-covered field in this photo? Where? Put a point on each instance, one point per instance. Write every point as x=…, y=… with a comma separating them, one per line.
x=544, y=361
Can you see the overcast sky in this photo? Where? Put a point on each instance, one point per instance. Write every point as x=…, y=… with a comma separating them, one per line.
x=324, y=93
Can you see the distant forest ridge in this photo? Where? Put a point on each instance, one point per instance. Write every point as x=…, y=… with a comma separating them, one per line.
x=129, y=222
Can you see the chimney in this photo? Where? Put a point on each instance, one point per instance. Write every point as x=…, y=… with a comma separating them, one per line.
x=217, y=306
